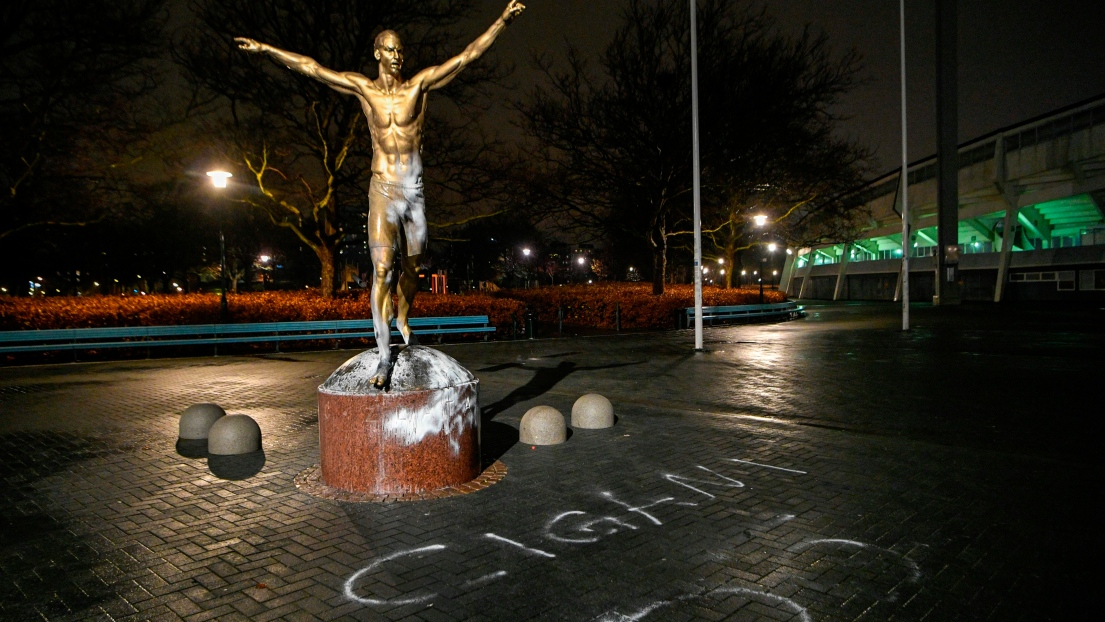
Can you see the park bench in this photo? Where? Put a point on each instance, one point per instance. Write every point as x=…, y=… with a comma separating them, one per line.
x=779, y=310
x=62, y=339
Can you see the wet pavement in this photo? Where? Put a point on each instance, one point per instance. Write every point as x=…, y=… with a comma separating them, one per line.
x=830, y=468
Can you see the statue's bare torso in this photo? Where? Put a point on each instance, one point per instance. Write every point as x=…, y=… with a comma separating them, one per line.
x=396, y=116
x=396, y=122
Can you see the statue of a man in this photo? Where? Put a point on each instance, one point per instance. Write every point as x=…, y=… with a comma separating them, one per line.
x=396, y=110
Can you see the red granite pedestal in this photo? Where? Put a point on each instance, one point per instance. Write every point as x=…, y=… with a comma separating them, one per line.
x=421, y=434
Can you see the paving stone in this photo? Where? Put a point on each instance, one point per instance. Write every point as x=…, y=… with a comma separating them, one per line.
x=831, y=466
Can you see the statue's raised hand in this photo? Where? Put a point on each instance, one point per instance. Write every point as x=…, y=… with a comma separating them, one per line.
x=514, y=9
x=247, y=44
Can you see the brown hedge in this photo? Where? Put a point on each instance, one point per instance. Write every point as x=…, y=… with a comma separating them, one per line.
x=584, y=305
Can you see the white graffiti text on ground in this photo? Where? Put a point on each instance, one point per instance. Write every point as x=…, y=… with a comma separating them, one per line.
x=574, y=528
x=351, y=582
x=723, y=591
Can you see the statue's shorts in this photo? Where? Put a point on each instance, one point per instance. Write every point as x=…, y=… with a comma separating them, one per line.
x=396, y=217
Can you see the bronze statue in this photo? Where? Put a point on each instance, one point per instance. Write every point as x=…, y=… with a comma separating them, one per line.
x=396, y=110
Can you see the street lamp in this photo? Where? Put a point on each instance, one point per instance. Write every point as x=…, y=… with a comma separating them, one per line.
x=526, y=252
x=218, y=179
x=763, y=270
x=265, y=269
x=763, y=264
x=760, y=220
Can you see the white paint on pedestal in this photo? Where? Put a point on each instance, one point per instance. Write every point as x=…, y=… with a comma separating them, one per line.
x=449, y=411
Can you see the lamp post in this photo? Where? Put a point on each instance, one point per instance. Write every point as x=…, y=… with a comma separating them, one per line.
x=264, y=259
x=218, y=179
x=761, y=221
x=763, y=264
x=526, y=252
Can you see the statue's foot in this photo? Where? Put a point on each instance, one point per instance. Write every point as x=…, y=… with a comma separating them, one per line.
x=383, y=373
x=409, y=337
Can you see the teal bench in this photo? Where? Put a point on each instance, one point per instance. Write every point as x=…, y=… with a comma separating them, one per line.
x=62, y=339
x=778, y=310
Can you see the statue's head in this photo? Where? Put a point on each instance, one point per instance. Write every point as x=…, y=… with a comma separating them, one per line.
x=389, y=51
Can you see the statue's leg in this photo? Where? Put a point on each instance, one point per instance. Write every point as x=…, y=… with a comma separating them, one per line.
x=383, y=263
x=383, y=240
x=408, y=287
x=415, y=230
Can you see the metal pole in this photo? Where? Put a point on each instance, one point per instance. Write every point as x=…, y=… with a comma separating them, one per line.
x=223, y=315
x=904, y=181
x=947, y=155
x=697, y=181
x=762, y=264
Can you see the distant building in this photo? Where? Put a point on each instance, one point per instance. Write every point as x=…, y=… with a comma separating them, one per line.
x=1031, y=225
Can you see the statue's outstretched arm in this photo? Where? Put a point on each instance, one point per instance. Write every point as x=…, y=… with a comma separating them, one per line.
x=303, y=64
x=437, y=77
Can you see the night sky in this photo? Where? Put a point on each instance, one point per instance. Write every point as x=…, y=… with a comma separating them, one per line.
x=1017, y=58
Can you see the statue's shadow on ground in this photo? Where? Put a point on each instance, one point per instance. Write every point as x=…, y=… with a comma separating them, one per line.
x=544, y=379
x=497, y=437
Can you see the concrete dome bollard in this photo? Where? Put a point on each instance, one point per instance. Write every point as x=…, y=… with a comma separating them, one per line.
x=592, y=412
x=234, y=435
x=543, y=425
x=197, y=419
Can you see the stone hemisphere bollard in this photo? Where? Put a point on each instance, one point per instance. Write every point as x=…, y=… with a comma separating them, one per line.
x=234, y=435
x=592, y=412
x=197, y=419
x=542, y=425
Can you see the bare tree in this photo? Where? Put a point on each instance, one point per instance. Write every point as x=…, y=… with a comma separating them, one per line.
x=304, y=147
x=73, y=76
x=614, y=146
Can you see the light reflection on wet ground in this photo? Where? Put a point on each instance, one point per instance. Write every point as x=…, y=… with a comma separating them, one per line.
x=102, y=514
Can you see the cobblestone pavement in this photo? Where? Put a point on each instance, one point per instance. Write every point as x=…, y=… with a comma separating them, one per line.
x=830, y=468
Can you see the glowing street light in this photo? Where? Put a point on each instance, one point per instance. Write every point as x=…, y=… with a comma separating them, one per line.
x=526, y=252
x=218, y=178
x=760, y=220
x=771, y=247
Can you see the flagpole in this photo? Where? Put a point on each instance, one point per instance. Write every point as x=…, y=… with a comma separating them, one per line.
x=904, y=180
x=697, y=182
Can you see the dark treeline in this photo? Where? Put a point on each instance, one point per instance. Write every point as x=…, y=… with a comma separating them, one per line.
x=105, y=148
